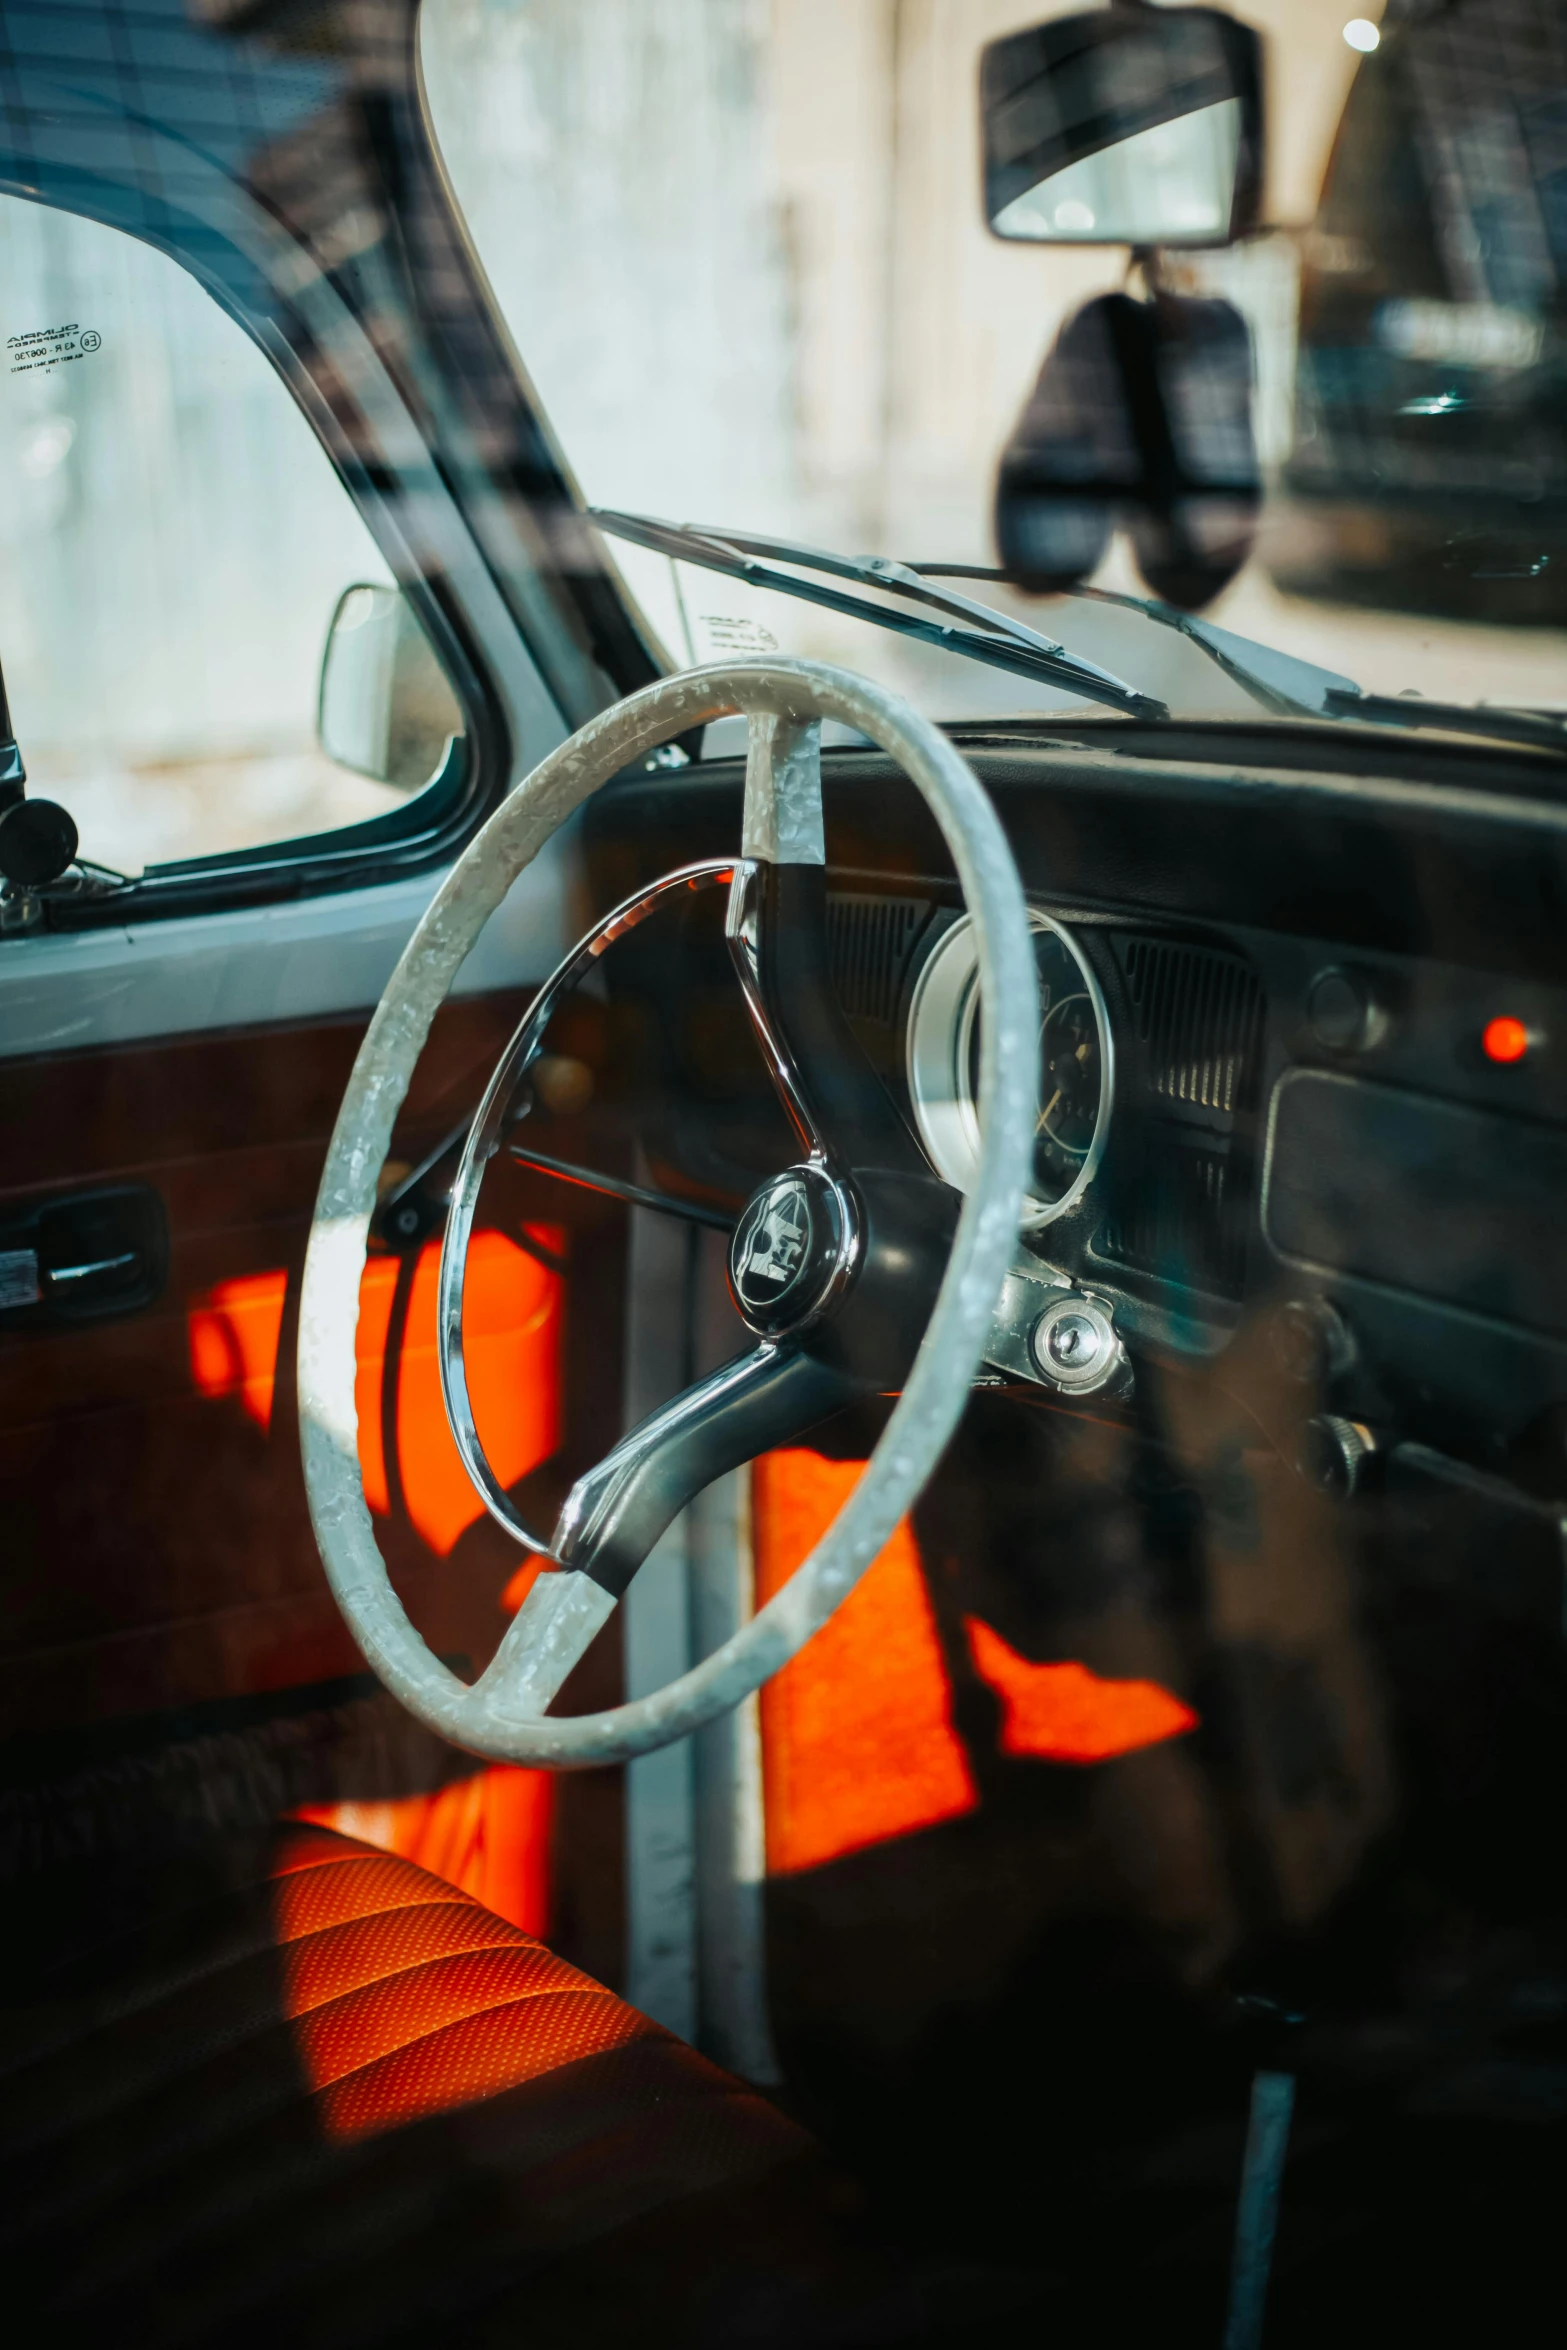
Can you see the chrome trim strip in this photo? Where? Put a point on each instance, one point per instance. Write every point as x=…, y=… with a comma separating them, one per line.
x=484, y=1140
x=597, y=1491
x=742, y=921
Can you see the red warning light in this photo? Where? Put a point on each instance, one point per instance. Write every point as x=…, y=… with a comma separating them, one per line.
x=1504, y=1039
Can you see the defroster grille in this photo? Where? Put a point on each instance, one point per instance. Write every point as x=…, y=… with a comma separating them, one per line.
x=869, y=941
x=1199, y=1018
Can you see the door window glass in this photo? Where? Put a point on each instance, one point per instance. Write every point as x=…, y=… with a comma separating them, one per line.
x=174, y=548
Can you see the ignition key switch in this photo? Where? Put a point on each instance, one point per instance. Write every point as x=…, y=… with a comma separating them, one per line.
x=1075, y=1346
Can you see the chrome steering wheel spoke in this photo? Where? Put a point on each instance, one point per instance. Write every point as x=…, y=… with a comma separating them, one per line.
x=616, y=1512
x=807, y=1237
x=485, y=1138
x=776, y=927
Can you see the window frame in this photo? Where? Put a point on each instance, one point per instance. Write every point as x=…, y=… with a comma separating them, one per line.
x=389, y=343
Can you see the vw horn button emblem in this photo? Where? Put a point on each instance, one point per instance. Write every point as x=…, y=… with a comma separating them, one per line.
x=786, y=1249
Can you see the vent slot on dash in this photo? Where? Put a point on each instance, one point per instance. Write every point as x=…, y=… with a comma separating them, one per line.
x=869, y=942
x=1199, y=1017
x=1178, y=1186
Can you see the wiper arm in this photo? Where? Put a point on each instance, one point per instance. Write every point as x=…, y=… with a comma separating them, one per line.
x=1288, y=687
x=1002, y=642
x=1538, y=728
x=1279, y=682
x=1299, y=689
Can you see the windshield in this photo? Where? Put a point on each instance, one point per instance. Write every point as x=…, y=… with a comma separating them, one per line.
x=743, y=254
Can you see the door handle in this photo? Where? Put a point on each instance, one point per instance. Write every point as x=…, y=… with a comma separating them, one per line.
x=58, y=1273
x=82, y=1256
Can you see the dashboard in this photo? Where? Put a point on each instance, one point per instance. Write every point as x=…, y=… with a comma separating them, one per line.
x=1303, y=1078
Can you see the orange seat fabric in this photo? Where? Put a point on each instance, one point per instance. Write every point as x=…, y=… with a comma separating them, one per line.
x=407, y=1997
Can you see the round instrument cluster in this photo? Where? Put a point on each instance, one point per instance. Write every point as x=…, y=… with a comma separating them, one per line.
x=1075, y=1065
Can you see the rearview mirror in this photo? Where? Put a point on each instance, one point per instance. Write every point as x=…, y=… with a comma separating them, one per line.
x=385, y=707
x=1124, y=127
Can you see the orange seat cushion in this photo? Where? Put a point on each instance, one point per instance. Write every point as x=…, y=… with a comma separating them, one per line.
x=295, y=2089
x=406, y=1996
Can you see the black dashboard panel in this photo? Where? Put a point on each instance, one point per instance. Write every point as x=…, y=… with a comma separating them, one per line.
x=1321, y=833
x=1276, y=922
x=1437, y=1198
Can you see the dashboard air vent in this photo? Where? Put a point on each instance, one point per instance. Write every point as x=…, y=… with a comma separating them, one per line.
x=869, y=940
x=1199, y=1018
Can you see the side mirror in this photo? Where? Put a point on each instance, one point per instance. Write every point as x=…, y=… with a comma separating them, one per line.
x=1126, y=126
x=385, y=706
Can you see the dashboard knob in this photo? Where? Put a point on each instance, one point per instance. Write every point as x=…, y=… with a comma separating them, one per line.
x=37, y=843
x=563, y=1083
x=1342, y=1011
x=1336, y=1455
x=1312, y=1342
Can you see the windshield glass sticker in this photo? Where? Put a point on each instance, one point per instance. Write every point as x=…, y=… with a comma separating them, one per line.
x=50, y=346
x=730, y=635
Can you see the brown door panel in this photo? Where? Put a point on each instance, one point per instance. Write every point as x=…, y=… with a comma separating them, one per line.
x=158, y=1548
x=183, y=1103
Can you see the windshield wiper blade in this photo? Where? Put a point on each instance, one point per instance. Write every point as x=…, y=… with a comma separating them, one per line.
x=1293, y=688
x=1289, y=687
x=1537, y=728
x=999, y=640
x=1279, y=682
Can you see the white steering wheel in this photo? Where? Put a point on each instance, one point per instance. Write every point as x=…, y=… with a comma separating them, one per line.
x=841, y=1265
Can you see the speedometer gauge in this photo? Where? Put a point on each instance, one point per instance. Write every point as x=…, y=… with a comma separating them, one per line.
x=1075, y=1065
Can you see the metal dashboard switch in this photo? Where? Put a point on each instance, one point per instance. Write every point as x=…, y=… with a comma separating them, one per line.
x=1053, y=1334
